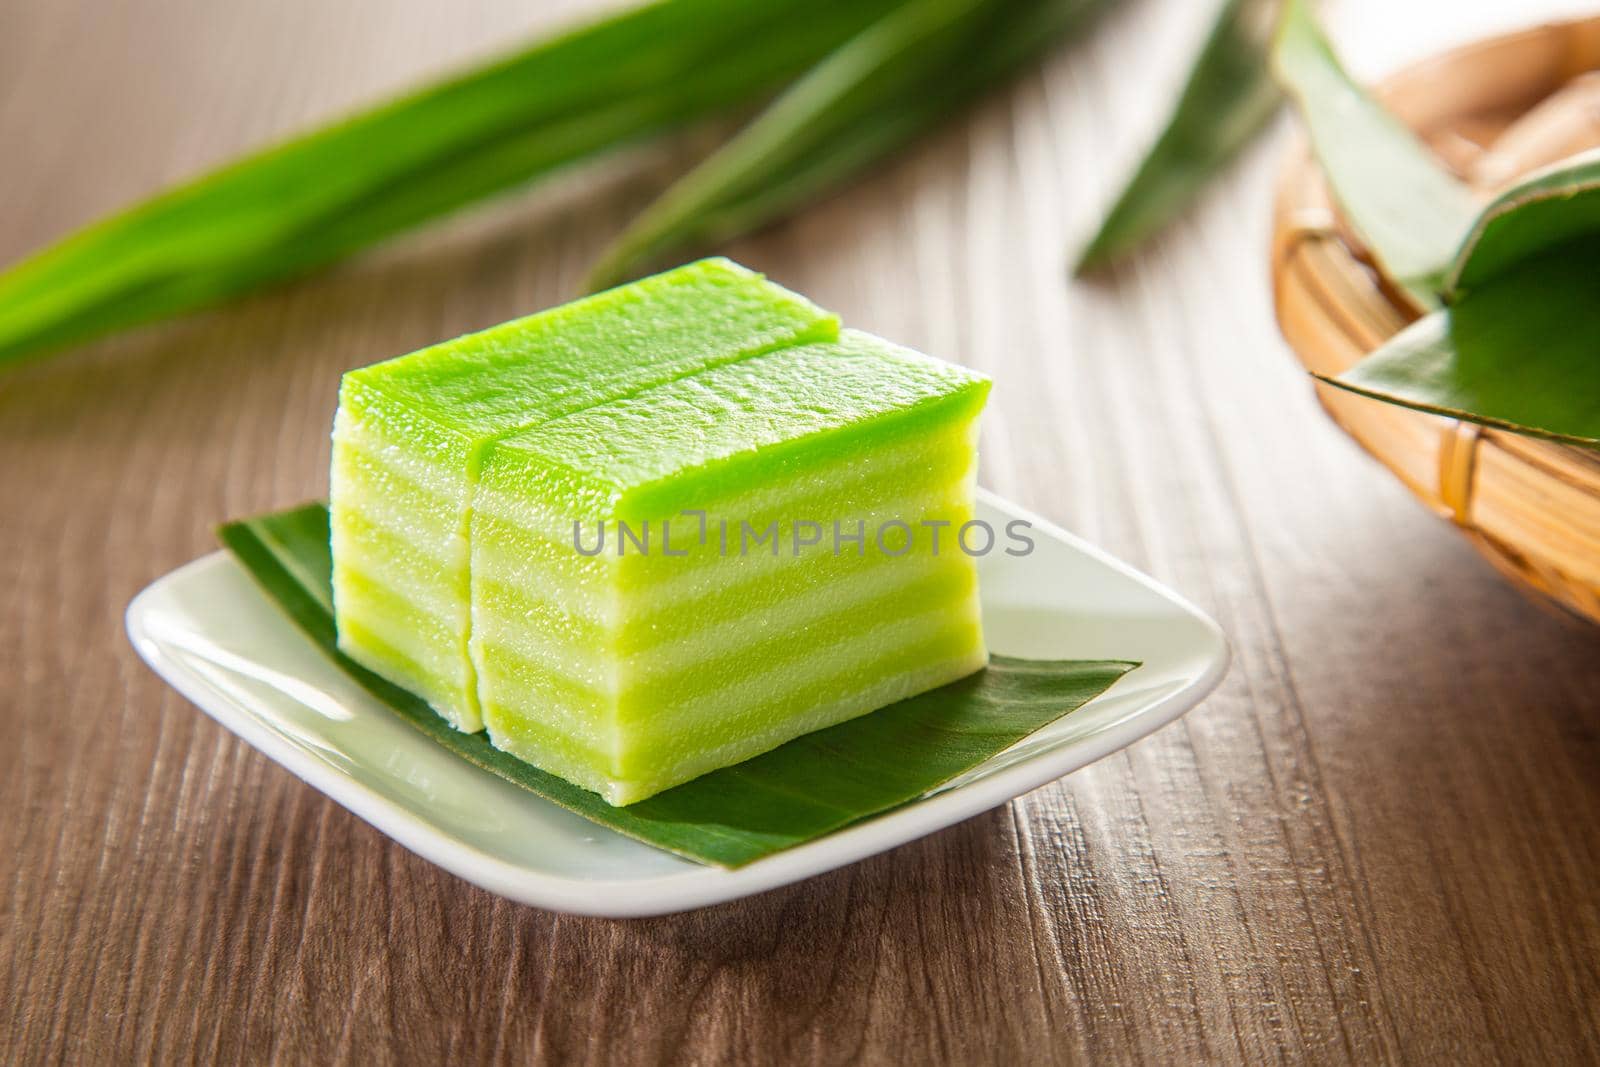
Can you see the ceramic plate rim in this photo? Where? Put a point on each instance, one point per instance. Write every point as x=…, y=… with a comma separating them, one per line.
x=706, y=886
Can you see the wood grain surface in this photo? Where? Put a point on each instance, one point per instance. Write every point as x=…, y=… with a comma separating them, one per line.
x=1378, y=842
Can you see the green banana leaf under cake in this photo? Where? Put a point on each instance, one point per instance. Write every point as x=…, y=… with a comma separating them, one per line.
x=658, y=531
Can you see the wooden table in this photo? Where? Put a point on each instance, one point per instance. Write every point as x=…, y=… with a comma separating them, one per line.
x=1378, y=841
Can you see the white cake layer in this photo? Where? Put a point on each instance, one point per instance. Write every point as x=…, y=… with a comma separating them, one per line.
x=724, y=696
x=698, y=645
x=572, y=746
x=509, y=555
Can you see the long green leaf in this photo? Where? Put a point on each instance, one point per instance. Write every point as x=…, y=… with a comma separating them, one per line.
x=1519, y=345
x=317, y=198
x=891, y=83
x=1410, y=210
x=809, y=787
x=1229, y=95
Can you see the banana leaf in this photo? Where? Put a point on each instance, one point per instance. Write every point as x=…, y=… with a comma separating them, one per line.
x=1518, y=347
x=811, y=786
x=1228, y=97
x=888, y=85
x=317, y=198
x=1410, y=210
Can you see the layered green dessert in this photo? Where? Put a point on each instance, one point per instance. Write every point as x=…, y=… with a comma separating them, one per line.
x=658, y=531
x=410, y=433
x=683, y=578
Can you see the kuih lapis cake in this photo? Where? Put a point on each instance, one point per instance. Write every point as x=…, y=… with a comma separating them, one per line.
x=762, y=562
x=410, y=432
x=658, y=531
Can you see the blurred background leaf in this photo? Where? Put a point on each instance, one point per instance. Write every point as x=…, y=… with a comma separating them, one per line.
x=856, y=80
x=1227, y=98
x=317, y=198
x=894, y=81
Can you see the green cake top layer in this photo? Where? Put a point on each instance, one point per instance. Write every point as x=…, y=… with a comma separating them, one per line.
x=591, y=351
x=731, y=428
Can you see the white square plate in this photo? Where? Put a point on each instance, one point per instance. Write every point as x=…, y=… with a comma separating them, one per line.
x=210, y=632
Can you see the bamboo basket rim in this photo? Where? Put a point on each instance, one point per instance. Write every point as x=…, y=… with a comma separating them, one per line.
x=1531, y=506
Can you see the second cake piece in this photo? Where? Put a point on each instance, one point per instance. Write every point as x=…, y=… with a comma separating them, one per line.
x=679, y=579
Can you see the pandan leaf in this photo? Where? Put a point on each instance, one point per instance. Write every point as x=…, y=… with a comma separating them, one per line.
x=314, y=199
x=1229, y=95
x=809, y=787
x=1519, y=345
x=891, y=83
x=1521, y=351
x=1412, y=212
x=1548, y=208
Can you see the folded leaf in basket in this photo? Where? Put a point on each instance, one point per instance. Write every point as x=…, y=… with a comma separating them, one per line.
x=1408, y=208
x=1518, y=346
x=812, y=786
x=1514, y=341
x=1553, y=206
x=1520, y=352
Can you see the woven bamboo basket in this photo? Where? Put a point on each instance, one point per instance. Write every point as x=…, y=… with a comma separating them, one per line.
x=1493, y=110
